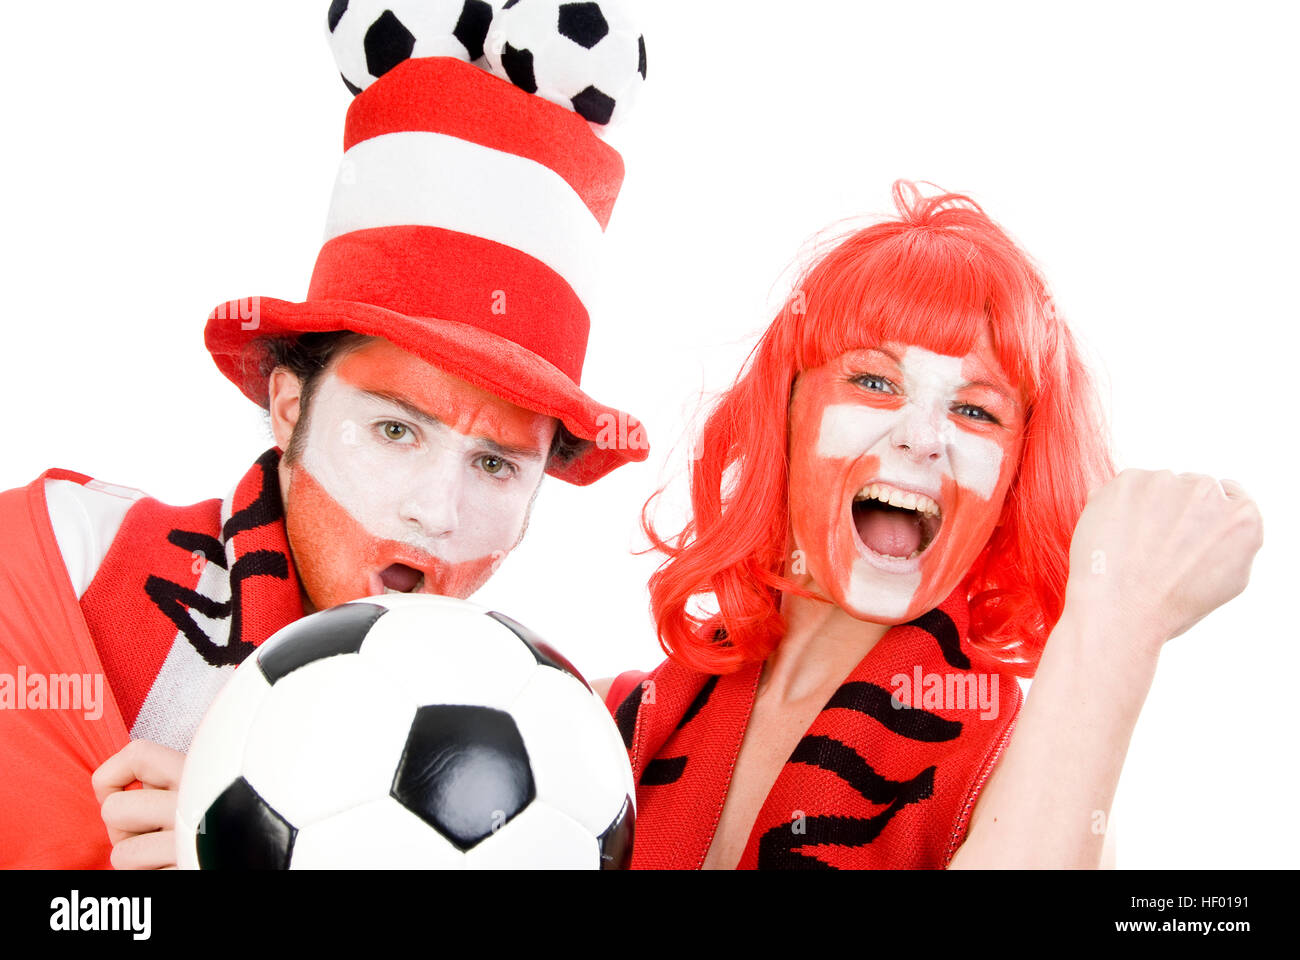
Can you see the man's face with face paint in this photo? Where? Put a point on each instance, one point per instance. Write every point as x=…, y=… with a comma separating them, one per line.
x=900, y=459
x=409, y=479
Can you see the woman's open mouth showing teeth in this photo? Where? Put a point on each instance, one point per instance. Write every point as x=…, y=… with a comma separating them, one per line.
x=895, y=523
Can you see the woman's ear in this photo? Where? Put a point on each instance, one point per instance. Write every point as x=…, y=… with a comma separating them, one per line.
x=284, y=396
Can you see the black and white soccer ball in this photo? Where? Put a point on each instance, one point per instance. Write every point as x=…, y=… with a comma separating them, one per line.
x=370, y=37
x=589, y=57
x=406, y=732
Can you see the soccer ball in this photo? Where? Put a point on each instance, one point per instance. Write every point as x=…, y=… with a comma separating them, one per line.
x=405, y=732
x=370, y=37
x=588, y=57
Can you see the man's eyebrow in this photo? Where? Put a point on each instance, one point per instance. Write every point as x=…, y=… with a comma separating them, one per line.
x=428, y=419
x=505, y=450
x=412, y=411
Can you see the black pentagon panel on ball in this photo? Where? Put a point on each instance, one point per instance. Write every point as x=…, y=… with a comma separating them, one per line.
x=472, y=27
x=545, y=654
x=616, y=841
x=583, y=23
x=387, y=44
x=640, y=56
x=337, y=9
x=330, y=633
x=240, y=831
x=464, y=771
x=593, y=105
x=518, y=65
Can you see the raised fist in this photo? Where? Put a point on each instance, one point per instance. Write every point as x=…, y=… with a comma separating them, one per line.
x=1154, y=552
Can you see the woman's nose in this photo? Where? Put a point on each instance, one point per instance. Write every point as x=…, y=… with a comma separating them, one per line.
x=919, y=434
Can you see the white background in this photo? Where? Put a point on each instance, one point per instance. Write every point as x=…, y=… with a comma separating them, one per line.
x=160, y=158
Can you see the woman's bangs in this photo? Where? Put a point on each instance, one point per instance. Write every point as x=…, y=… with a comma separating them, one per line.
x=911, y=290
x=927, y=289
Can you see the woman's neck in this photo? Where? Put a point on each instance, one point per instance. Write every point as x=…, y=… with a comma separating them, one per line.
x=822, y=645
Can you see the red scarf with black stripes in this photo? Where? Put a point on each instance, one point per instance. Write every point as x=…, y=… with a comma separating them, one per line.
x=885, y=777
x=184, y=595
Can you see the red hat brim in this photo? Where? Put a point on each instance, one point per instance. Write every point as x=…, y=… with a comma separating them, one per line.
x=491, y=362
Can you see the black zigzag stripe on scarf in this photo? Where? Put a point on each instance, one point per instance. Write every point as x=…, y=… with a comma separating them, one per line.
x=940, y=626
x=176, y=601
x=667, y=770
x=779, y=848
x=878, y=703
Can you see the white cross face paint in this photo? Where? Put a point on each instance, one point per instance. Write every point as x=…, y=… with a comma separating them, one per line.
x=937, y=437
x=974, y=461
x=410, y=479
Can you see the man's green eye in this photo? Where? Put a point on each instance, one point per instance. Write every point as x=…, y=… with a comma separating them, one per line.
x=394, y=431
x=493, y=464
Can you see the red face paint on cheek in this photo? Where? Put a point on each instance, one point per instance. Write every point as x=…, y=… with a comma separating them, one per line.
x=331, y=551
x=818, y=487
x=967, y=524
x=335, y=556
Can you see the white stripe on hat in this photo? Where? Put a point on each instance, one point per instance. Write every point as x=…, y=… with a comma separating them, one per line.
x=431, y=179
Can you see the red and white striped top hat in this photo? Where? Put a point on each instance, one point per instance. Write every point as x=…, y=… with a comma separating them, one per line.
x=462, y=229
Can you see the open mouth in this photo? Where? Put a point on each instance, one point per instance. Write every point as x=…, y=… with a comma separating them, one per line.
x=399, y=578
x=895, y=523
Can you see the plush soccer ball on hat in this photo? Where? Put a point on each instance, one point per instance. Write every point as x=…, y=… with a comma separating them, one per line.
x=589, y=57
x=370, y=37
x=405, y=731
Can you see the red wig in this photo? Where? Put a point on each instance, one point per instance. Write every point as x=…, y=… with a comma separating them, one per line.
x=930, y=278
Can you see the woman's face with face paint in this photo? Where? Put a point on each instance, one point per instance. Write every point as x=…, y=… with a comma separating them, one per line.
x=409, y=479
x=899, y=462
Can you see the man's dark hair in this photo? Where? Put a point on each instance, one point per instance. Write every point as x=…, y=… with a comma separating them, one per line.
x=309, y=354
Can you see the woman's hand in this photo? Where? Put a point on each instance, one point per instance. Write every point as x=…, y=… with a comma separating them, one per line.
x=1154, y=552
x=141, y=823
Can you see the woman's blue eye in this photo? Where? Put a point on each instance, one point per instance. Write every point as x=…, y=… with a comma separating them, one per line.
x=981, y=413
x=865, y=379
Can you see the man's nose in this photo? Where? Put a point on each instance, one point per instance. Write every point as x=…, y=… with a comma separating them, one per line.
x=429, y=507
x=919, y=434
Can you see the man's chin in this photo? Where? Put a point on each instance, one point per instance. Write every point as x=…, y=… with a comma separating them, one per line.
x=323, y=597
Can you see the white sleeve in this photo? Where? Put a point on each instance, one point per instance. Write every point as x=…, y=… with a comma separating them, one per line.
x=86, y=518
